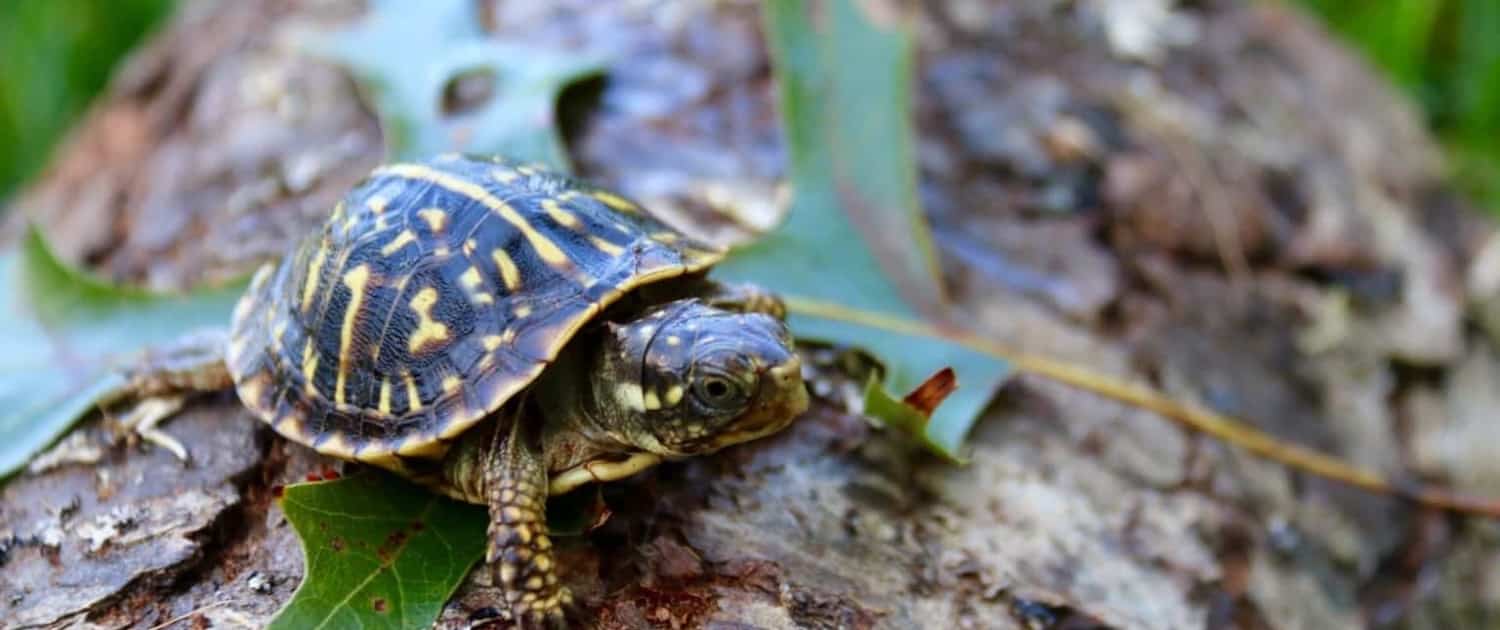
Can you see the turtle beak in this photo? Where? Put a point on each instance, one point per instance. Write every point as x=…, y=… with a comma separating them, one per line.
x=787, y=378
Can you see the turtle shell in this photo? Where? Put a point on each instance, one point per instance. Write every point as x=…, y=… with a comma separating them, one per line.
x=435, y=293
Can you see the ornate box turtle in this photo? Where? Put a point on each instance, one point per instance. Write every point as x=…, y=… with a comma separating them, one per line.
x=500, y=333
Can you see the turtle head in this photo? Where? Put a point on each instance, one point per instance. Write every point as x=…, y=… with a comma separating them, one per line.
x=692, y=378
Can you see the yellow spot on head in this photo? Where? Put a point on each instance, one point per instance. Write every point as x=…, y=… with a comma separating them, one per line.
x=356, y=279
x=610, y=249
x=673, y=395
x=522, y=311
x=406, y=237
x=508, y=271
x=428, y=329
x=674, y=340
x=650, y=401
x=435, y=218
x=562, y=217
x=615, y=201
x=534, y=583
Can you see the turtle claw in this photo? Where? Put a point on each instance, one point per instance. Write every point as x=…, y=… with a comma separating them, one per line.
x=557, y=614
x=143, y=418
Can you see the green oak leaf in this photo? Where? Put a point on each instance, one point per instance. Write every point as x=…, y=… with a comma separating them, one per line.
x=381, y=552
x=406, y=57
x=67, y=336
x=845, y=98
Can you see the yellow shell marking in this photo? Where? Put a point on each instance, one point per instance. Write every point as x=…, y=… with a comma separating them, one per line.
x=377, y=204
x=428, y=330
x=452, y=383
x=413, y=397
x=610, y=249
x=504, y=175
x=406, y=237
x=562, y=217
x=356, y=279
x=549, y=251
x=309, y=367
x=435, y=218
x=508, y=271
x=314, y=271
x=471, y=278
x=471, y=281
x=614, y=201
x=491, y=342
x=385, y=396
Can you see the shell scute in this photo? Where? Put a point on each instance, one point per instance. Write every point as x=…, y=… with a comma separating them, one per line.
x=434, y=294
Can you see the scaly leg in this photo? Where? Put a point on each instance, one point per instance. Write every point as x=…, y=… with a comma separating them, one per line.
x=515, y=485
x=162, y=381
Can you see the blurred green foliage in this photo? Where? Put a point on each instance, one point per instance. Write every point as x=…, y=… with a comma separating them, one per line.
x=54, y=56
x=1446, y=55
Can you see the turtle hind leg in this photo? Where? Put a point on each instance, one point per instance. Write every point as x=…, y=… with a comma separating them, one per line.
x=161, y=382
x=514, y=482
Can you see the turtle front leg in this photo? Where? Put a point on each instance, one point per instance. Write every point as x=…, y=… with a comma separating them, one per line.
x=515, y=485
x=161, y=382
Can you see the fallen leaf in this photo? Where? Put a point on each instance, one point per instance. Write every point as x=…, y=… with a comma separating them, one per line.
x=440, y=83
x=845, y=93
x=68, y=335
x=381, y=552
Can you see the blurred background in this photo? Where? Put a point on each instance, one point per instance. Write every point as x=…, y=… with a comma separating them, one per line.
x=56, y=55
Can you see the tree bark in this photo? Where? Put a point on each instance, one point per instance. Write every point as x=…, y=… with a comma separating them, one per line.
x=1213, y=199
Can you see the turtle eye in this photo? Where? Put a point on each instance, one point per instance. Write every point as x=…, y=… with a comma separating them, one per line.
x=718, y=392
